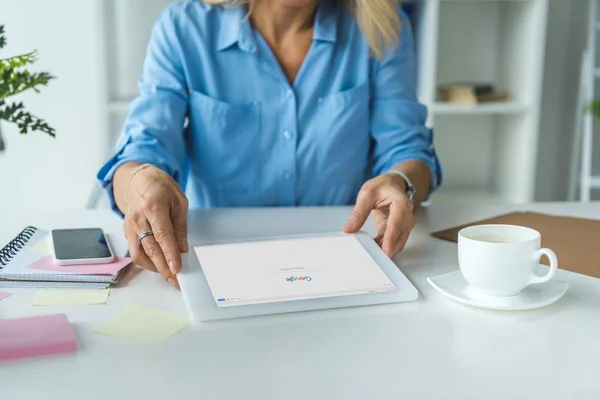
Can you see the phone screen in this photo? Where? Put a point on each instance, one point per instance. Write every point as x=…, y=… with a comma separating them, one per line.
x=77, y=244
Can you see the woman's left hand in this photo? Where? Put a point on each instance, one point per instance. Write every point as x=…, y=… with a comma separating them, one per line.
x=386, y=197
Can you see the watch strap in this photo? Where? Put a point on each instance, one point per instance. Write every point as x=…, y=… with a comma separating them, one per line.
x=410, y=188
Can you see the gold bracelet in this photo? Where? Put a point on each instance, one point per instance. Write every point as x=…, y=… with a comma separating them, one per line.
x=138, y=169
x=134, y=173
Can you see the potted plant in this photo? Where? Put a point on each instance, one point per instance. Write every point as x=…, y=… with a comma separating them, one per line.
x=15, y=79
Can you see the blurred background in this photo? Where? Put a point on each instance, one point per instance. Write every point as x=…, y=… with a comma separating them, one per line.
x=503, y=81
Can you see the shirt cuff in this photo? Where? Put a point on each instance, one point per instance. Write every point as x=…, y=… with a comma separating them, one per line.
x=106, y=174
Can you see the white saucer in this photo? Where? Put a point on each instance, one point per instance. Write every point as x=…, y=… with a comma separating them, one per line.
x=454, y=286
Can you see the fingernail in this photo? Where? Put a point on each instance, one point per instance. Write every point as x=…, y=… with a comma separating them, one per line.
x=172, y=267
x=349, y=225
x=173, y=282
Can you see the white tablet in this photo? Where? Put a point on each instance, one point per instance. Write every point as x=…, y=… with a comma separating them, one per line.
x=289, y=274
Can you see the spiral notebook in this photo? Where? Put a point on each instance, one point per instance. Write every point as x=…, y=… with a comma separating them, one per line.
x=16, y=256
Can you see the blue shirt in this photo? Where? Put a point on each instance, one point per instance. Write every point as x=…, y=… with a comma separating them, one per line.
x=217, y=113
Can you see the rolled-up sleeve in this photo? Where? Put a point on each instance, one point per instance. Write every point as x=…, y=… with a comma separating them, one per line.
x=398, y=120
x=154, y=129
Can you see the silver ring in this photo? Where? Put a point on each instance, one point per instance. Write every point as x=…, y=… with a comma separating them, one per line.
x=143, y=235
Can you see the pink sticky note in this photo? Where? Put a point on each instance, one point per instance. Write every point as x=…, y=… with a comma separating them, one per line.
x=36, y=336
x=4, y=295
x=47, y=264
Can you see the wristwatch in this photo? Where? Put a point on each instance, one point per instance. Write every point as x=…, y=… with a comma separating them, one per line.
x=410, y=188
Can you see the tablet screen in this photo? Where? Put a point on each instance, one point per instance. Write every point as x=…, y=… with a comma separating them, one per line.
x=290, y=269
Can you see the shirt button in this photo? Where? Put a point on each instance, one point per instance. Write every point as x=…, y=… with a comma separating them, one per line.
x=287, y=175
x=289, y=93
x=287, y=135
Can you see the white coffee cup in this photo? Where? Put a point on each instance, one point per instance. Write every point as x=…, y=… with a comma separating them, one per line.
x=500, y=260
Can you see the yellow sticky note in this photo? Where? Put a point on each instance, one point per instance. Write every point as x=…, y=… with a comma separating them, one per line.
x=69, y=297
x=144, y=324
x=42, y=246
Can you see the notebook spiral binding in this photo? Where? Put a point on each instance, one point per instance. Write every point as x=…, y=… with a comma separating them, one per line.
x=9, y=251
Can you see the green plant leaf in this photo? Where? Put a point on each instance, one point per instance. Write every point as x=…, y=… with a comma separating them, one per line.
x=15, y=79
x=594, y=108
x=18, y=61
x=2, y=37
x=15, y=113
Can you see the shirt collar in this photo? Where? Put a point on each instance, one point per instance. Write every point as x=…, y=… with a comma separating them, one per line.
x=326, y=21
x=235, y=26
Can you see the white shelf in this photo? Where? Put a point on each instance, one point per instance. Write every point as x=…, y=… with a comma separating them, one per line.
x=479, y=109
x=119, y=106
x=595, y=182
x=487, y=148
x=467, y=195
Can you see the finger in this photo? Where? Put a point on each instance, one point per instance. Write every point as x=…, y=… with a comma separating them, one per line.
x=136, y=253
x=380, y=218
x=165, y=237
x=153, y=250
x=403, y=238
x=401, y=243
x=393, y=228
x=364, y=204
x=179, y=221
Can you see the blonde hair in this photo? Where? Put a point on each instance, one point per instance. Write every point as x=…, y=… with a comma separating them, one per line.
x=378, y=20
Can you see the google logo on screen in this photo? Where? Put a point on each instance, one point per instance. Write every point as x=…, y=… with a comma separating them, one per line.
x=298, y=278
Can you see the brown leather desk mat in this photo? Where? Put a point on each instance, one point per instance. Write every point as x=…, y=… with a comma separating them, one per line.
x=575, y=241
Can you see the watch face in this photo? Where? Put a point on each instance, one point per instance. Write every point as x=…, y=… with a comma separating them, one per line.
x=410, y=190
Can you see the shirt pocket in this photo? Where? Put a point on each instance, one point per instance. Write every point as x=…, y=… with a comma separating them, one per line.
x=347, y=115
x=343, y=135
x=226, y=148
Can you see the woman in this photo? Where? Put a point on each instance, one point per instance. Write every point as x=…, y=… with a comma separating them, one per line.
x=289, y=103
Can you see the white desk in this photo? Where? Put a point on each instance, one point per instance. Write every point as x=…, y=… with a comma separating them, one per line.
x=430, y=349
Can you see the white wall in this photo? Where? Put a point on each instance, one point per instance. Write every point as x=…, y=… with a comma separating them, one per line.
x=567, y=30
x=36, y=171
x=129, y=34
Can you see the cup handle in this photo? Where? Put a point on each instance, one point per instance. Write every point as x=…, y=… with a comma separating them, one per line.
x=553, y=266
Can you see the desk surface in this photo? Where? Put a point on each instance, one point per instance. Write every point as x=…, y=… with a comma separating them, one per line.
x=430, y=349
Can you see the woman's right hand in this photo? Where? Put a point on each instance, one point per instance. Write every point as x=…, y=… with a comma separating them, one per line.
x=151, y=200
